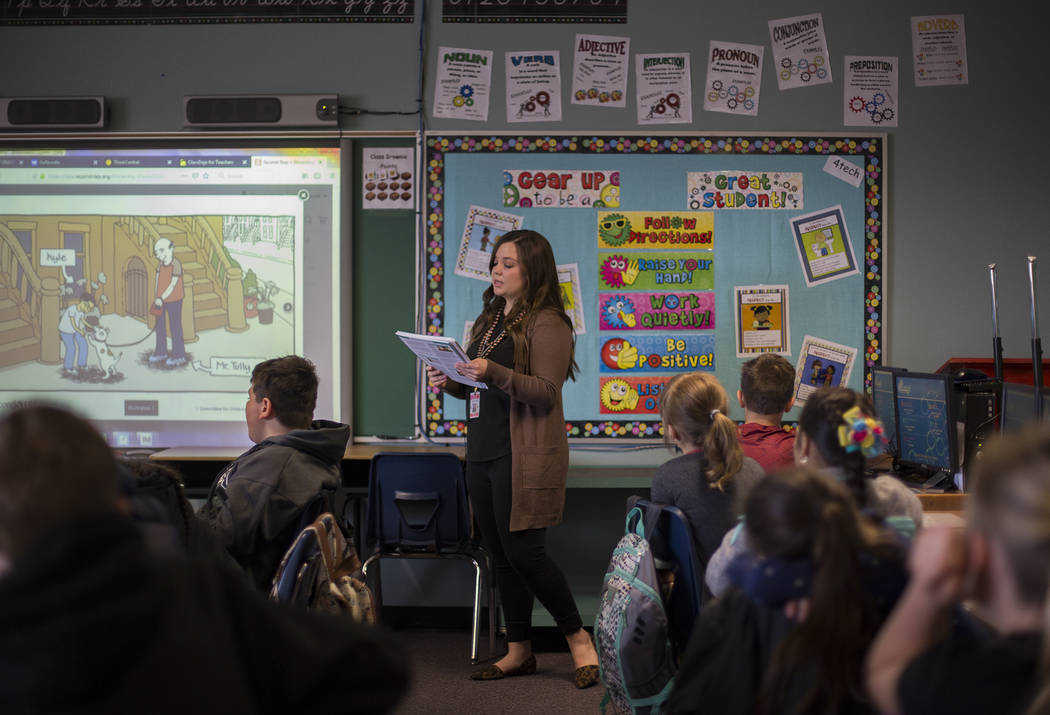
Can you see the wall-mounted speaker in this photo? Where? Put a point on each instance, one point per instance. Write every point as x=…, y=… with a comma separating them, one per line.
x=52, y=112
x=276, y=110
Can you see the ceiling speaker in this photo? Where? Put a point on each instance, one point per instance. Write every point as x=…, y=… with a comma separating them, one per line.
x=277, y=110
x=52, y=112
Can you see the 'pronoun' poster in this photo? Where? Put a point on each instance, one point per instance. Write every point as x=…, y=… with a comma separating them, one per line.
x=871, y=92
x=734, y=78
x=762, y=320
x=800, y=51
x=533, y=86
x=462, y=84
x=480, y=233
x=938, y=46
x=821, y=363
x=663, y=88
x=599, y=70
x=823, y=245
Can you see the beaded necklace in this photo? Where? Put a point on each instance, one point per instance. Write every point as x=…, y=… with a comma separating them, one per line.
x=488, y=343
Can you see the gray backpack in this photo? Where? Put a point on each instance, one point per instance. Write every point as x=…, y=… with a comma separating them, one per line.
x=631, y=630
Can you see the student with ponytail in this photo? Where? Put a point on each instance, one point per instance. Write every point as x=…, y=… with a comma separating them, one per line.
x=837, y=432
x=710, y=478
x=809, y=597
x=929, y=659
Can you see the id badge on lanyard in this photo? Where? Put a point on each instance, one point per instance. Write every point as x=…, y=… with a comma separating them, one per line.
x=475, y=404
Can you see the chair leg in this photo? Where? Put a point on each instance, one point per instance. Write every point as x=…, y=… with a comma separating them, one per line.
x=492, y=620
x=476, y=629
x=377, y=590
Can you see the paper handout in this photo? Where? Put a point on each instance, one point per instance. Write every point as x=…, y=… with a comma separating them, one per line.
x=439, y=352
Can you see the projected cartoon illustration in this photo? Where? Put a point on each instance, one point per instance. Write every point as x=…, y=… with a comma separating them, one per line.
x=144, y=302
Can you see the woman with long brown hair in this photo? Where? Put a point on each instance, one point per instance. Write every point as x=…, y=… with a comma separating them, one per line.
x=517, y=449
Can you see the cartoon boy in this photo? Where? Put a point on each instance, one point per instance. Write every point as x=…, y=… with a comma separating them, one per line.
x=829, y=375
x=814, y=375
x=168, y=298
x=485, y=238
x=71, y=330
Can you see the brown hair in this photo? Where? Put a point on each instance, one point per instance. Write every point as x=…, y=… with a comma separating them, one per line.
x=767, y=383
x=804, y=514
x=820, y=421
x=54, y=469
x=542, y=292
x=1011, y=500
x=688, y=403
x=291, y=384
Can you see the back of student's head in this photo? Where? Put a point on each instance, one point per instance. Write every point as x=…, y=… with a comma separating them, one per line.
x=767, y=383
x=55, y=469
x=695, y=404
x=291, y=384
x=803, y=514
x=820, y=420
x=1011, y=503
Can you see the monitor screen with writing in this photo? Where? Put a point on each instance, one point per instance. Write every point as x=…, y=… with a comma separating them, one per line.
x=141, y=282
x=885, y=405
x=925, y=425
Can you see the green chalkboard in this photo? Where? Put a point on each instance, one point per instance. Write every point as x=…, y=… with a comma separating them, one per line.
x=383, y=294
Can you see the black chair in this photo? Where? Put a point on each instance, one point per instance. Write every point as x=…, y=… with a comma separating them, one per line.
x=672, y=547
x=417, y=508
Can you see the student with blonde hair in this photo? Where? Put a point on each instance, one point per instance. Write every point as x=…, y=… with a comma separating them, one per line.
x=924, y=660
x=709, y=480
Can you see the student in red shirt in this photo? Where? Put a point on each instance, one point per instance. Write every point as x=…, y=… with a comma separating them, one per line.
x=766, y=386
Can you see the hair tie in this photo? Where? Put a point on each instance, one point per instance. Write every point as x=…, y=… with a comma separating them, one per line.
x=861, y=433
x=713, y=413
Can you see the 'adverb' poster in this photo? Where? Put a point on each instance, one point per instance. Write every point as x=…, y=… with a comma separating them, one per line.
x=533, y=86
x=870, y=93
x=599, y=72
x=938, y=45
x=663, y=88
x=734, y=78
x=800, y=51
x=461, y=87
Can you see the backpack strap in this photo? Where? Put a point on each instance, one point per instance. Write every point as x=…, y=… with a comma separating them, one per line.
x=643, y=523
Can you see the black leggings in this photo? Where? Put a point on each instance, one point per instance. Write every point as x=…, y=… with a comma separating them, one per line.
x=523, y=568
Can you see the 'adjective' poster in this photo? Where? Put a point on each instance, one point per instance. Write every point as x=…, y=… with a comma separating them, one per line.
x=800, y=51
x=599, y=71
x=461, y=87
x=938, y=45
x=734, y=78
x=533, y=86
x=762, y=320
x=870, y=93
x=663, y=88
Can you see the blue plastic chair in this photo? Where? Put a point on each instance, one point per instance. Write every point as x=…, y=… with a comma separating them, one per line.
x=672, y=544
x=418, y=508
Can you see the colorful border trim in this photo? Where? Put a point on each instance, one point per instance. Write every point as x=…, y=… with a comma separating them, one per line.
x=871, y=148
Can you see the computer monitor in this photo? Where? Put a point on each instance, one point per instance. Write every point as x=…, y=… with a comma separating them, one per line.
x=108, y=246
x=926, y=426
x=884, y=397
x=1019, y=406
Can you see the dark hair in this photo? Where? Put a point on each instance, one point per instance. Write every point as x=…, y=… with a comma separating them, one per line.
x=767, y=383
x=542, y=292
x=291, y=384
x=54, y=469
x=820, y=421
x=153, y=477
x=688, y=403
x=803, y=514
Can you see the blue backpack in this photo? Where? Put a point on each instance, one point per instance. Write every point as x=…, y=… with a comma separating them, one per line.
x=631, y=631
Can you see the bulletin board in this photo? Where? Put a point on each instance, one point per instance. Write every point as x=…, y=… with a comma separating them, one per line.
x=676, y=252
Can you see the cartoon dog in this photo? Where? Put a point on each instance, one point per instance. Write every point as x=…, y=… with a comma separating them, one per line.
x=107, y=359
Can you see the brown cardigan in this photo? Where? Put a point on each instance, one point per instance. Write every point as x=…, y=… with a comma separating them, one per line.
x=539, y=445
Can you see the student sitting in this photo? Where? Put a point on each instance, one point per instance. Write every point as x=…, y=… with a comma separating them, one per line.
x=255, y=504
x=92, y=621
x=766, y=384
x=919, y=663
x=791, y=637
x=710, y=479
x=836, y=434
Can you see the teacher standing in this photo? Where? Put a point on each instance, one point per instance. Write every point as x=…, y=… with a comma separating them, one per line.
x=517, y=451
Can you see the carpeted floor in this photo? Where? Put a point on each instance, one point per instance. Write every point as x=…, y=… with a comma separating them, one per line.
x=441, y=684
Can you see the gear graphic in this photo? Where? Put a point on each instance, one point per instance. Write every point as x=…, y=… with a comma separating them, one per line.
x=466, y=90
x=856, y=104
x=879, y=98
x=673, y=100
x=457, y=101
x=786, y=62
x=543, y=98
x=717, y=85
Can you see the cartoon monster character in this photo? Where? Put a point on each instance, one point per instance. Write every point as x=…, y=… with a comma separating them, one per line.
x=617, y=271
x=618, y=354
x=610, y=196
x=617, y=396
x=618, y=312
x=614, y=229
